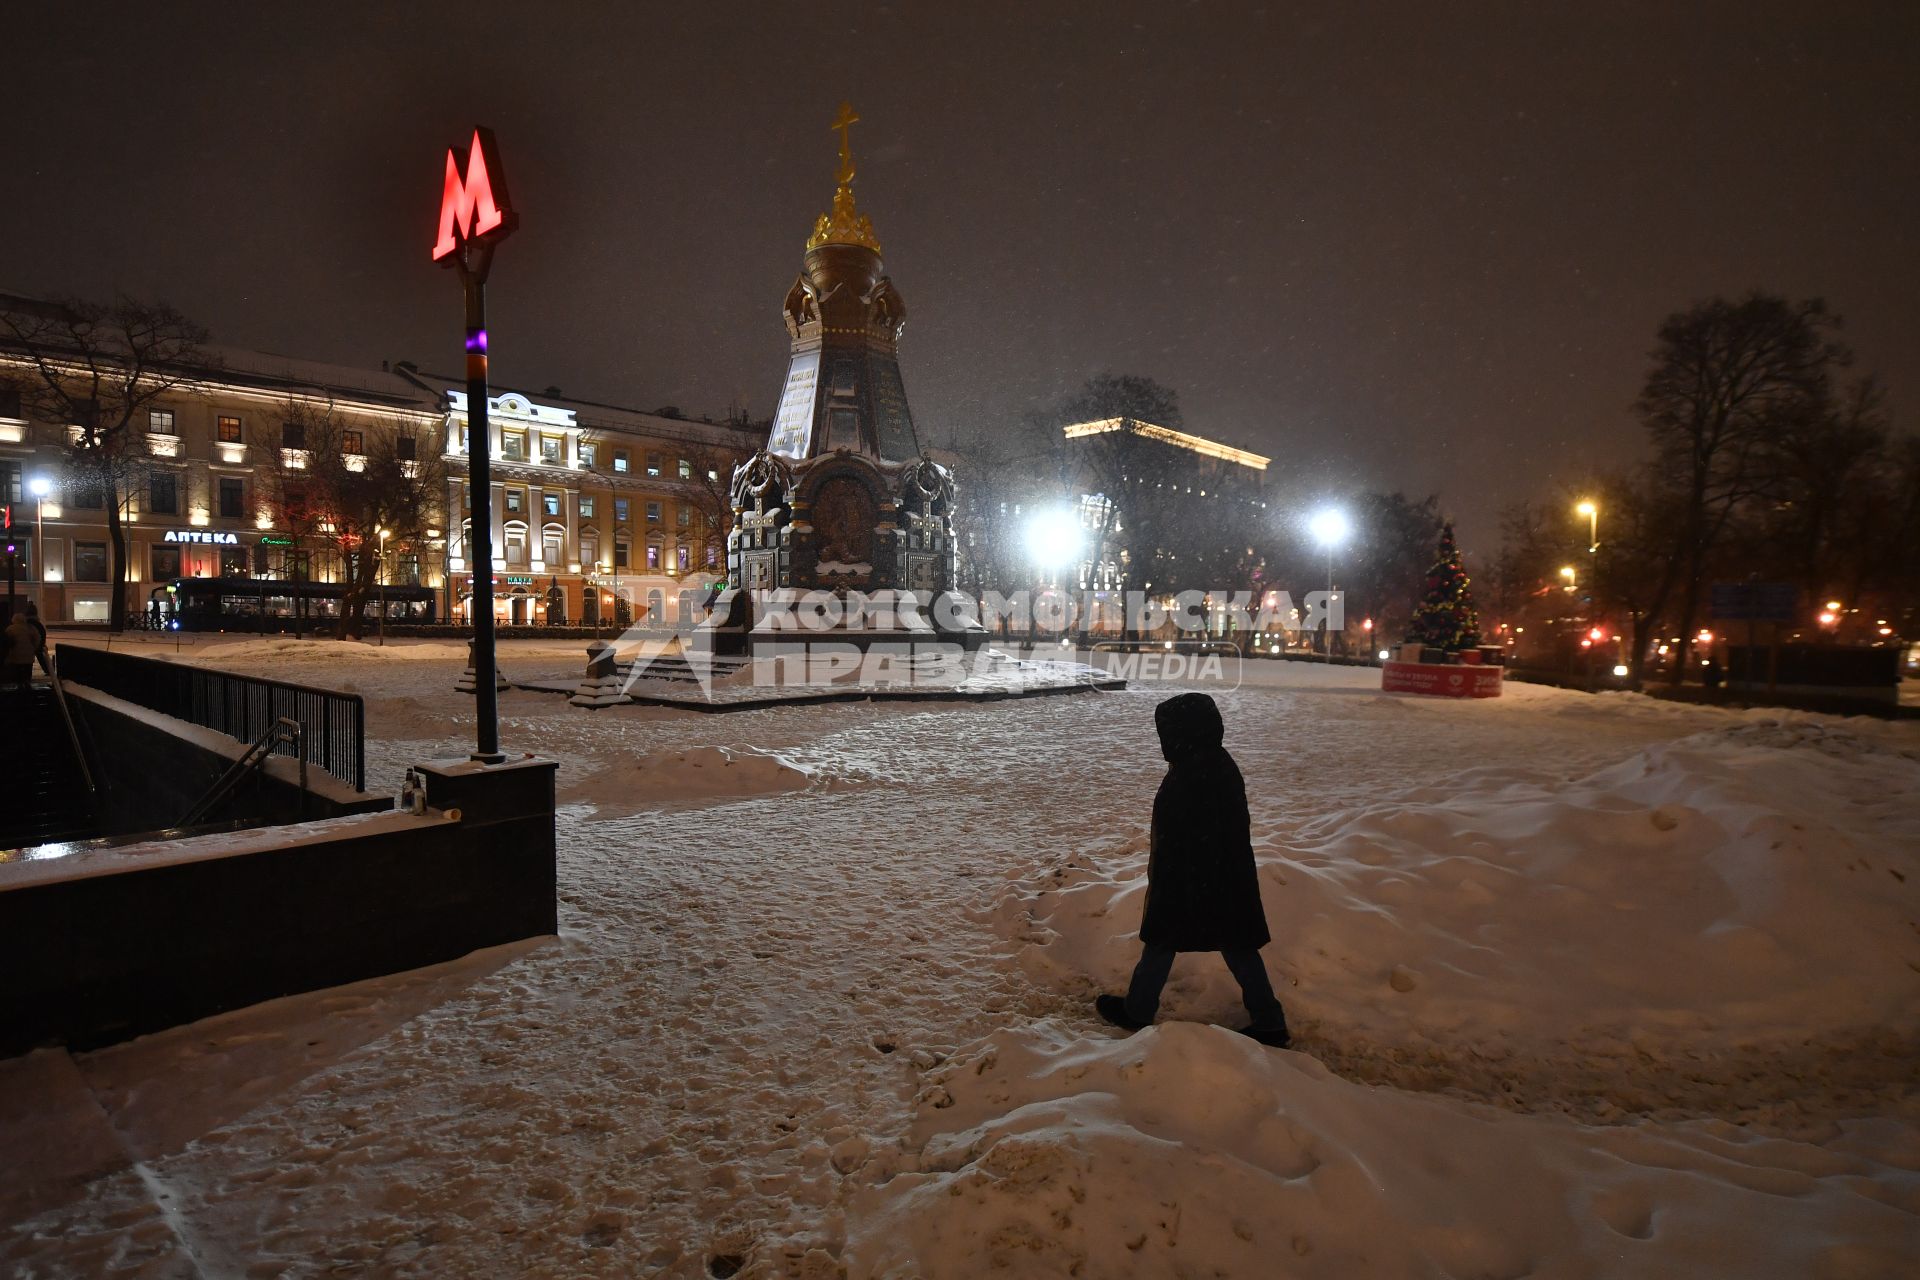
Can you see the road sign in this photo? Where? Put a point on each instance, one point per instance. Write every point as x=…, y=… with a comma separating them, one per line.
x=1755, y=601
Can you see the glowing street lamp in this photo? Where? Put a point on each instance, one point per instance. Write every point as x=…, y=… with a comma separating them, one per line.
x=385, y=533
x=1566, y=571
x=1054, y=538
x=1591, y=510
x=1329, y=527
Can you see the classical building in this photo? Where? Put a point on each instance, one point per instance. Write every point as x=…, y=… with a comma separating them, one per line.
x=598, y=510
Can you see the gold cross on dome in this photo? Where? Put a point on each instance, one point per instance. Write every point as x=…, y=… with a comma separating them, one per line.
x=844, y=123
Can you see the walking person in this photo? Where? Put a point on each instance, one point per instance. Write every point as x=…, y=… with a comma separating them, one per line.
x=40, y=640
x=1203, y=893
x=18, y=645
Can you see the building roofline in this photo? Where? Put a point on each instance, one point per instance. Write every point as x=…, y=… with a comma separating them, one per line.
x=1167, y=435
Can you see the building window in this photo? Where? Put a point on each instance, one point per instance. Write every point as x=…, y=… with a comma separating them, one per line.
x=352, y=442
x=588, y=452
x=686, y=469
x=10, y=481
x=516, y=500
x=653, y=464
x=84, y=495
x=404, y=570
x=713, y=555
x=227, y=430
x=166, y=564
x=682, y=557
x=713, y=475
x=9, y=400
x=89, y=562
x=589, y=553
x=466, y=497
x=233, y=498
x=619, y=555
x=293, y=435
x=553, y=545
x=550, y=503
x=683, y=516
x=516, y=539
x=653, y=513
x=406, y=448
x=653, y=555
x=163, y=493
x=620, y=460
x=586, y=506
x=550, y=450
x=233, y=562
x=513, y=446
x=160, y=422
x=620, y=509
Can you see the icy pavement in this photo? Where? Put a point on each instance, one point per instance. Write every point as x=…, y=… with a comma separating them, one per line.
x=830, y=1016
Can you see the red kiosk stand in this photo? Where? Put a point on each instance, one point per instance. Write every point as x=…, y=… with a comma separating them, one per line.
x=1445, y=680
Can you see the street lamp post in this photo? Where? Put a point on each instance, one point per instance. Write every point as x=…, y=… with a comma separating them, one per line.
x=1329, y=527
x=40, y=487
x=384, y=535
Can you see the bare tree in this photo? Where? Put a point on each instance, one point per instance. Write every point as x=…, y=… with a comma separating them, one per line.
x=1729, y=380
x=97, y=369
x=338, y=483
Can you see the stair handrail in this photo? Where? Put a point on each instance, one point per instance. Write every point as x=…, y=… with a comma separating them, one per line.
x=251, y=761
x=66, y=717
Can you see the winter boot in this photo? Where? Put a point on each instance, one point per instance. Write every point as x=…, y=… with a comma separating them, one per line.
x=1114, y=1010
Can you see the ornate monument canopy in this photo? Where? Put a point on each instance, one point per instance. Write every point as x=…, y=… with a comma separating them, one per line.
x=843, y=498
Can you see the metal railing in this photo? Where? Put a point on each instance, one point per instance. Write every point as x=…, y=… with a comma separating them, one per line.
x=333, y=725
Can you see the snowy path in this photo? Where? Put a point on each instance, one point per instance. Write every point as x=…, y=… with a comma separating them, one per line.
x=747, y=997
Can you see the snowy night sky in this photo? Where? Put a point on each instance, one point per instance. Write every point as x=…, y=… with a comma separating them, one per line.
x=1392, y=246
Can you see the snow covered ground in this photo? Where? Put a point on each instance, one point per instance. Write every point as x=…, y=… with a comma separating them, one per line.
x=1582, y=987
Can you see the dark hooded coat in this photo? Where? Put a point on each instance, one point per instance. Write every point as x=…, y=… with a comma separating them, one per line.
x=1202, y=891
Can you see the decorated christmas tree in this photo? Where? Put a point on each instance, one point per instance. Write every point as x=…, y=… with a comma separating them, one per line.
x=1445, y=618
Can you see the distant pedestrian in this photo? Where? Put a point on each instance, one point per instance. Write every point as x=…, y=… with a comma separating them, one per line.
x=1203, y=893
x=17, y=649
x=40, y=638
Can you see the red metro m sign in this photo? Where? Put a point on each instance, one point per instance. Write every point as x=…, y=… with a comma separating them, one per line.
x=474, y=206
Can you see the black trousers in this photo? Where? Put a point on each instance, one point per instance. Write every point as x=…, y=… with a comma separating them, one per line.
x=1256, y=992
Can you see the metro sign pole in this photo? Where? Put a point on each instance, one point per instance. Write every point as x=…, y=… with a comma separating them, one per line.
x=475, y=215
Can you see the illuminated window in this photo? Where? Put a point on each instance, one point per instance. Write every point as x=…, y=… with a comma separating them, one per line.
x=654, y=463
x=160, y=423
x=713, y=555
x=620, y=509
x=588, y=452
x=653, y=513
x=227, y=430
x=586, y=506
x=653, y=555
x=516, y=500
x=683, y=516
x=686, y=469
x=683, y=557
x=513, y=445
x=352, y=442
x=516, y=539
x=620, y=460
x=713, y=475
x=550, y=502
x=550, y=450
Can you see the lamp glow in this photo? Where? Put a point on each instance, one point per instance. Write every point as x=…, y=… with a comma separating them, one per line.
x=1329, y=526
x=1054, y=538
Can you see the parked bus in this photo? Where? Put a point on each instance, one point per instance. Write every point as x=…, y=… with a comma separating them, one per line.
x=265, y=604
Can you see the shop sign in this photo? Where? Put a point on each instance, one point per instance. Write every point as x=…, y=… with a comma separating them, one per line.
x=209, y=537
